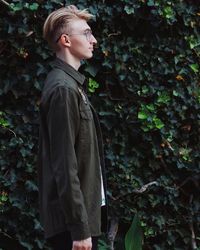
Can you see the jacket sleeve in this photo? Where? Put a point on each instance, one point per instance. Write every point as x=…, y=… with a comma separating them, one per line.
x=63, y=121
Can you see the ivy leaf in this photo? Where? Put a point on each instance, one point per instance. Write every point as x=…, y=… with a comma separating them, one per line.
x=163, y=98
x=92, y=85
x=26, y=245
x=150, y=3
x=168, y=11
x=129, y=10
x=31, y=186
x=33, y=6
x=194, y=67
x=92, y=69
x=16, y=7
x=159, y=124
x=150, y=107
x=133, y=238
x=175, y=93
x=142, y=115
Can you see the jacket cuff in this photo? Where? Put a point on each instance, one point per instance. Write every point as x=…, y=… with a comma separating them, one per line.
x=79, y=231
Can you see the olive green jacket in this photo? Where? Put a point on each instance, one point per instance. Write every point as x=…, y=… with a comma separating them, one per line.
x=70, y=156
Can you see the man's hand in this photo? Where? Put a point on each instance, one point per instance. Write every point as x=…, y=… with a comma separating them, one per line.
x=82, y=244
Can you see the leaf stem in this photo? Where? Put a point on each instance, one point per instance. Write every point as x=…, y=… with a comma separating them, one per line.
x=114, y=224
x=137, y=191
x=4, y=2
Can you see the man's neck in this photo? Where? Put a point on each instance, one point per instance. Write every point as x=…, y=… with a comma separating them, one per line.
x=69, y=60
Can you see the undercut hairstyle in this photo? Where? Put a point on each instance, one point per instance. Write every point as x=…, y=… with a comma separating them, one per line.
x=57, y=23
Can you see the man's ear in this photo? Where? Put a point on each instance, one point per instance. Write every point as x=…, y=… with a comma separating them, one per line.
x=64, y=40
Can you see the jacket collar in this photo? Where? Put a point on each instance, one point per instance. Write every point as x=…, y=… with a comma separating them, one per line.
x=58, y=63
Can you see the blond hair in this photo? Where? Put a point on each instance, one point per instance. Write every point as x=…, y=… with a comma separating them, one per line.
x=57, y=23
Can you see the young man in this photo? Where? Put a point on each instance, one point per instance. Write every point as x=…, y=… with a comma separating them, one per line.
x=71, y=162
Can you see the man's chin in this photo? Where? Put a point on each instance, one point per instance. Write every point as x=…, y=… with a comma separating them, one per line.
x=89, y=56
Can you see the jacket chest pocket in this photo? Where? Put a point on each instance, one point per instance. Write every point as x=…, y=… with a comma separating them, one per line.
x=86, y=124
x=85, y=111
x=86, y=114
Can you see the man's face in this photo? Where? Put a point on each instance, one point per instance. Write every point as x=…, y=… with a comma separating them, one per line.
x=82, y=40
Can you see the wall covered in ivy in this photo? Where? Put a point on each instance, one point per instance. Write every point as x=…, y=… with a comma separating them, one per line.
x=144, y=81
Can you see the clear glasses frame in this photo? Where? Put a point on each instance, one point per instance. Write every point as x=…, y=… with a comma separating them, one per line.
x=88, y=35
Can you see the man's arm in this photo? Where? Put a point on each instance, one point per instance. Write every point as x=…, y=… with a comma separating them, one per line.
x=63, y=121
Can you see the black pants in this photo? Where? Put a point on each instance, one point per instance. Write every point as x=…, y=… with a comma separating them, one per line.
x=62, y=241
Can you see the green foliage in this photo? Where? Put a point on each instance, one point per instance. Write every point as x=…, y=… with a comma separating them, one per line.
x=148, y=115
x=148, y=100
x=102, y=245
x=20, y=6
x=3, y=122
x=92, y=85
x=133, y=239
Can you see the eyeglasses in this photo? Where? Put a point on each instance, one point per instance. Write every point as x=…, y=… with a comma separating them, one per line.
x=88, y=34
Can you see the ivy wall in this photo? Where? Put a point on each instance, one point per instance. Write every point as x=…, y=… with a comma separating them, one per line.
x=144, y=82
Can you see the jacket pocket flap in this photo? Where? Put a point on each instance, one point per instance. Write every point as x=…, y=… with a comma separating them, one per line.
x=86, y=114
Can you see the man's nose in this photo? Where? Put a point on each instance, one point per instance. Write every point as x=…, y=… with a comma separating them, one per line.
x=94, y=40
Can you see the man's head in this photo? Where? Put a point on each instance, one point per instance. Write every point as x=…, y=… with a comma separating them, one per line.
x=67, y=28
